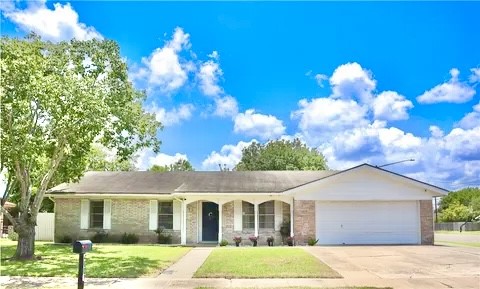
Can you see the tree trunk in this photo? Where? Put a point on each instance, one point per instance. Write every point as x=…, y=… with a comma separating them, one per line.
x=26, y=240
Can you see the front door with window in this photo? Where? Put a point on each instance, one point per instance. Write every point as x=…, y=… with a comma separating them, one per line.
x=209, y=222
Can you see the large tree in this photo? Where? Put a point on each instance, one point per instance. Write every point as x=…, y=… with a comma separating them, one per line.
x=57, y=99
x=281, y=155
x=180, y=165
x=460, y=206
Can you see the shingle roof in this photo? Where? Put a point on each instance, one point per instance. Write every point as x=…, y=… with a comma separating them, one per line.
x=182, y=182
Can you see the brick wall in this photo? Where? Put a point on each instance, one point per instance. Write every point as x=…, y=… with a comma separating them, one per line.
x=303, y=221
x=426, y=222
x=127, y=216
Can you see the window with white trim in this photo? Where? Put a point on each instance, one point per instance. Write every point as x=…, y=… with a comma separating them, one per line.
x=248, y=216
x=165, y=215
x=266, y=215
x=96, y=214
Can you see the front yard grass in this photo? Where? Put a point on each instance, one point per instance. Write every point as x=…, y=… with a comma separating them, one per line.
x=106, y=260
x=463, y=244
x=458, y=232
x=263, y=263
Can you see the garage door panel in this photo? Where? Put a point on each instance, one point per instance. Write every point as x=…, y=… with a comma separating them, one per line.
x=367, y=222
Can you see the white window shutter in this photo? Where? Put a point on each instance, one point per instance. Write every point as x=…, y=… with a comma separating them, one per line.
x=84, y=213
x=278, y=215
x=177, y=212
x=153, y=224
x=237, y=215
x=107, y=214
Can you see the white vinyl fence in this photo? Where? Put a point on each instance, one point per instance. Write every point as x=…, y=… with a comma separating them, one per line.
x=45, y=227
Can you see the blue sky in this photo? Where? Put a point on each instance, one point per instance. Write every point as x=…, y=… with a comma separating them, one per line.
x=372, y=82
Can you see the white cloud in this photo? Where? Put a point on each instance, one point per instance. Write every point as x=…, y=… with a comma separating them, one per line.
x=208, y=75
x=173, y=116
x=146, y=158
x=61, y=23
x=229, y=155
x=226, y=106
x=322, y=117
x=260, y=125
x=164, y=69
x=389, y=105
x=352, y=81
x=320, y=78
x=472, y=119
x=452, y=91
x=475, y=76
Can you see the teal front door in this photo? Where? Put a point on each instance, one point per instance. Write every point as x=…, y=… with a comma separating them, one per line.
x=209, y=222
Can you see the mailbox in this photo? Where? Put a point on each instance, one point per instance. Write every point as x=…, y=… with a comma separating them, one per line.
x=82, y=246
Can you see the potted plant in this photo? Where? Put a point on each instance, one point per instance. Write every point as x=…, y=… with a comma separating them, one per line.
x=285, y=231
x=237, y=240
x=290, y=241
x=270, y=241
x=254, y=240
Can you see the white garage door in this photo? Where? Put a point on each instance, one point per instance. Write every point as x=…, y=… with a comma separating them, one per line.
x=367, y=222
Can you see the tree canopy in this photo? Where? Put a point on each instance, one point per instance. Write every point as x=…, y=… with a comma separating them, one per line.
x=281, y=155
x=460, y=206
x=180, y=165
x=57, y=100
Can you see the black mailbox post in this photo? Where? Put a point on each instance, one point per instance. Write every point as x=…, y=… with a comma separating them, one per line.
x=81, y=247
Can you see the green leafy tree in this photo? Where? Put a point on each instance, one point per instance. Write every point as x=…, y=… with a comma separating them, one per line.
x=57, y=100
x=460, y=206
x=98, y=160
x=180, y=165
x=280, y=155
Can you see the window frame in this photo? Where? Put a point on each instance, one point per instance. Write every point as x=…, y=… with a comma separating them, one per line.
x=165, y=214
x=247, y=214
x=264, y=215
x=94, y=224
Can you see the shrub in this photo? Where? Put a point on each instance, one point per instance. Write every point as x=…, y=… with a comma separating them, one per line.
x=129, y=238
x=66, y=239
x=253, y=238
x=13, y=236
x=311, y=241
x=223, y=243
x=100, y=237
x=237, y=239
x=270, y=239
x=163, y=238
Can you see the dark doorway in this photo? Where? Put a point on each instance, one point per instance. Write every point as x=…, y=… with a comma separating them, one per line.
x=209, y=221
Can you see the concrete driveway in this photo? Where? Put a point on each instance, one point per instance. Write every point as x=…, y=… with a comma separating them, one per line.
x=404, y=266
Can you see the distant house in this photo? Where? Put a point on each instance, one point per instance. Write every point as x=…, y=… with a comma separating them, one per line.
x=361, y=205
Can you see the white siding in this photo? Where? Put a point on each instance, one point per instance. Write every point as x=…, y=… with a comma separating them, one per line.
x=84, y=214
x=107, y=214
x=177, y=213
x=237, y=215
x=153, y=219
x=367, y=222
x=363, y=184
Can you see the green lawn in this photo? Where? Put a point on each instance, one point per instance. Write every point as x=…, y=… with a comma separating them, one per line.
x=106, y=260
x=261, y=262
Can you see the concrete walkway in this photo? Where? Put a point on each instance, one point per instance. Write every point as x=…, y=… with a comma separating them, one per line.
x=187, y=265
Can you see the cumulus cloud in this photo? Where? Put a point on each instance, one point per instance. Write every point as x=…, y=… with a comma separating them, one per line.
x=472, y=119
x=453, y=91
x=226, y=106
x=164, y=69
x=229, y=156
x=259, y=125
x=475, y=76
x=209, y=74
x=389, y=105
x=320, y=78
x=146, y=158
x=61, y=23
x=351, y=80
x=173, y=116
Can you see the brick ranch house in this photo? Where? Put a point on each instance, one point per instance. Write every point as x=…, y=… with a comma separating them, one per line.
x=361, y=205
